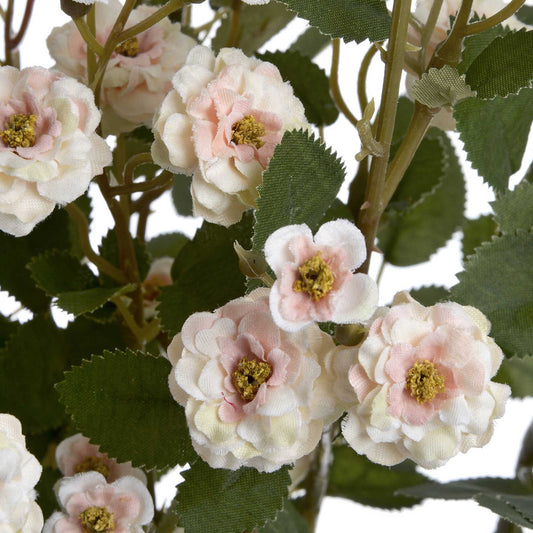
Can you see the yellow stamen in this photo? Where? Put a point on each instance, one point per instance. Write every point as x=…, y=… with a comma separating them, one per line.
x=129, y=48
x=97, y=520
x=248, y=131
x=249, y=376
x=424, y=381
x=20, y=131
x=93, y=464
x=316, y=278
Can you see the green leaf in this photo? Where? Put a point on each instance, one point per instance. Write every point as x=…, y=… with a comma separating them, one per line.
x=206, y=274
x=58, y=271
x=504, y=67
x=234, y=500
x=337, y=210
x=46, y=498
x=167, y=244
x=181, y=194
x=310, y=43
x=356, y=478
x=256, y=26
x=288, y=520
x=430, y=295
x=516, y=509
x=84, y=203
x=494, y=280
x=476, y=232
x=310, y=84
x=7, y=328
x=513, y=210
x=87, y=301
x=31, y=362
x=525, y=15
x=412, y=235
x=494, y=133
x=475, y=44
x=517, y=372
x=52, y=233
x=121, y=401
x=300, y=183
x=353, y=20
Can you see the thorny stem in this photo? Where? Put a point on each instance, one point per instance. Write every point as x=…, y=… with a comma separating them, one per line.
x=15, y=41
x=83, y=230
x=369, y=218
x=233, y=37
x=500, y=16
x=88, y=36
x=334, y=84
x=361, y=79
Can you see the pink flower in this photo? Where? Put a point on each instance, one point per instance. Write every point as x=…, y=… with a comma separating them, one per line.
x=253, y=395
x=86, y=499
x=423, y=383
x=315, y=279
x=139, y=72
x=49, y=151
x=76, y=454
x=221, y=123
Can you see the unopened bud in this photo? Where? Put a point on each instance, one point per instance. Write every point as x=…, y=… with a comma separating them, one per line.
x=251, y=264
x=75, y=9
x=350, y=334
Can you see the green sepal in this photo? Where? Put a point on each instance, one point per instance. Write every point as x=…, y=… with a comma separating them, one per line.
x=121, y=401
x=234, y=500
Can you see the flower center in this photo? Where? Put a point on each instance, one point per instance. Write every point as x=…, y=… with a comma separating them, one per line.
x=97, y=520
x=248, y=131
x=93, y=464
x=316, y=278
x=20, y=131
x=129, y=48
x=424, y=381
x=249, y=376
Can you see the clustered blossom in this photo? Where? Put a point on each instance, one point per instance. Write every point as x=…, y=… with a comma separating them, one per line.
x=221, y=123
x=139, y=71
x=49, y=151
x=253, y=394
x=19, y=473
x=315, y=280
x=89, y=503
x=423, y=382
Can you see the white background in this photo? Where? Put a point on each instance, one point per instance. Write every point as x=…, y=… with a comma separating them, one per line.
x=498, y=458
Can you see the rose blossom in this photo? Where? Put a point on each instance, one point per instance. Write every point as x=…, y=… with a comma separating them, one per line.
x=138, y=74
x=76, y=454
x=423, y=383
x=221, y=122
x=253, y=394
x=19, y=473
x=315, y=280
x=86, y=500
x=49, y=151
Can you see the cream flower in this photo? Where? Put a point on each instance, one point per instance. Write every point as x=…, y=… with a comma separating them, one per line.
x=86, y=500
x=19, y=473
x=423, y=383
x=49, y=151
x=253, y=394
x=315, y=280
x=221, y=123
x=76, y=454
x=139, y=72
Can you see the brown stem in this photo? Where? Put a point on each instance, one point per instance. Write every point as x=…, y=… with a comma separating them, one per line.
x=334, y=84
x=7, y=31
x=15, y=41
x=162, y=180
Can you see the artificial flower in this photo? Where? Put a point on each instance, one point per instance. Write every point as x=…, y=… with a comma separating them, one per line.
x=89, y=503
x=139, y=71
x=253, y=394
x=423, y=381
x=315, y=279
x=19, y=473
x=76, y=454
x=49, y=151
x=221, y=122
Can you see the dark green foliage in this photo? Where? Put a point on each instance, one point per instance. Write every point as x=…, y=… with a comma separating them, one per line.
x=181, y=194
x=514, y=210
x=476, y=232
x=288, y=520
x=517, y=372
x=310, y=43
x=430, y=295
x=166, y=244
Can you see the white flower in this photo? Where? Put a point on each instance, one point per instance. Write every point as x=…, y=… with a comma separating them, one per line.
x=76, y=454
x=315, y=280
x=19, y=473
x=253, y=394
x=49, y=151
x=85, y=499
x=423, y=383
x=138, y=74
x=221, y=123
